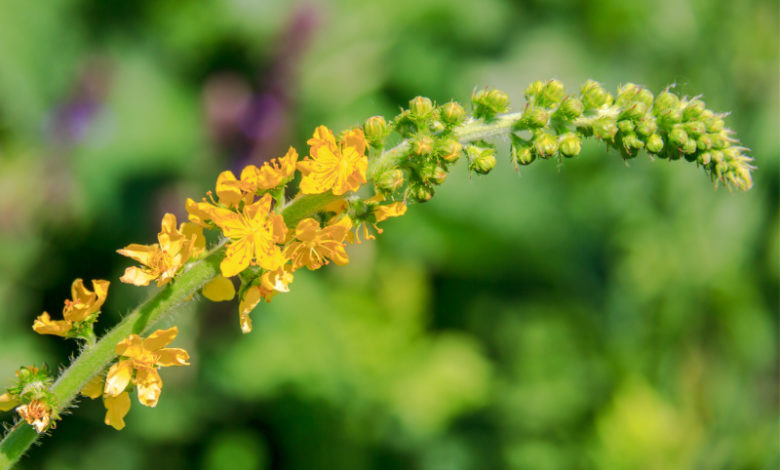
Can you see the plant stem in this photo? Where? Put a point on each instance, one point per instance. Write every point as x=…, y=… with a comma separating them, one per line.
x=165, y=303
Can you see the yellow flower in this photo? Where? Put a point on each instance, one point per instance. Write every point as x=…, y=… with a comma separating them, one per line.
x=219, y=289
x=249, y=301
x=340, y=167
x=144, y=356
x=271, y=174
x=271, y=283
x=254, y=233
x=8, y=402
x=174, y=248
x=382, y=213
x=116, y=407
x=199, y=212
x=37, y=413
x=318, y=246
x=85, y=303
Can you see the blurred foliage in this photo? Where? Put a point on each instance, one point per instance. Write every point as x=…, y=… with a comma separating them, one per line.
x=585, y=316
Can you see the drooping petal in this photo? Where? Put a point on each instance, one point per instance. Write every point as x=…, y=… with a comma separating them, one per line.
x=219, y=289
x=8, y=402
x=137, y=276
x=160, y=338
x=228, y=189
x=44, y=325
x=395, y=209
x=248, y=302
x=149, y=385
x=118, y=377
x=144, y=254
x=116, y=410
x=168, y=357
x=94, y=388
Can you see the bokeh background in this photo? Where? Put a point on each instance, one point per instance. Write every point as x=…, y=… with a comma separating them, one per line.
x=594, y=315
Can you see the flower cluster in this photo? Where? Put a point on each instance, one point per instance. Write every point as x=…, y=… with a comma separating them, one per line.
x=31, y=398
x=79, y=314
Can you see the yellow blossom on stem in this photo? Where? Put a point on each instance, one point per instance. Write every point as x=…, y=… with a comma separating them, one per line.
x=116, y=407
x=254, y=235
x=161, y=261
x=93, y=388
x=271, y=175
x=340, y=167
x=83, y=305
x=37, y=413
x=143, y=357
x=383, y=212
x=229, y=189
x=317, y=246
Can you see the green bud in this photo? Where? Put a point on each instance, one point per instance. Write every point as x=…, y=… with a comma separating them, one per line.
x=594, y=95
x=390, y=180
x=719, y=141
x=654, y=144
x=439, y=175
x=645, y=96
x=605, y=128
x=420, y=192
x=626, y=93
x=535, y=117
x=489, y=102
x=570, y=109
x=552, y=93
x=646, y=126
x=522, y=154
x=704, y=143
x=533, y=90
x=632, y=143
x=670, y=117
x=452, y=114
x=689, y=148
x=678, y=137
x=375, y=129
x=449, y=150
x=704, y=158
x=546, y=145
x=634, y=110
x=625, y=126
x=570, y=144
x=693, y=110
x=715, y=125
x=421, y=108
x=422, y=145
x=665, y=102
x=481, y=159
x=695, y=128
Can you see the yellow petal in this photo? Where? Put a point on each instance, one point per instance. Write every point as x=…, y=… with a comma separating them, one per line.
x=116, y=410
x=144, y=254
x=219, y=289
x=118, y=377
x=307, y=229
x=93, y=388
x=132, y=346
x=149, y=385
x=44, y=325
x=137, y=276
x=192, y=230
x=356, y=140
x=238, y=255
x=160, y=338
x=199, y=212
x=232, y=224
x=248, y=303
x=168, y=224
x=168, y=357
x=228, y=189
x=7, y=402
x=395, y=209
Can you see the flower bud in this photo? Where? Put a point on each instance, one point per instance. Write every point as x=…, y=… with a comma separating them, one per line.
x=693, y=110
x=695, y=128
x=439, y=175
x=594, y=95
x=422, y=144
x=678, y=137
x=689, y=149
x=390, y=180
x=533, y=90
x=704, y=158
x=546, y=145
x=552, y=93
x=704, y=143
x=375, y=129
x=605, y=128
x=449, y=150
x=645, y=96
x=666, y=101
x=670, y=117
x=452, y=114
x=654, y=144
x=570, y=145
x=625, y=126
x=646, y=126
x=634, y=110
x=719, y=141
x=489, y=102
x=632, y=143
x=421, y=108
x=570, y=109
x=420, y=192
x=481, y=159
x=535, y=117
x=522, y=154
x=626, y=93
x=715, y=125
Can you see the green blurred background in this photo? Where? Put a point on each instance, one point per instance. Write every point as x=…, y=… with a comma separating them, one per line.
x=587, y=316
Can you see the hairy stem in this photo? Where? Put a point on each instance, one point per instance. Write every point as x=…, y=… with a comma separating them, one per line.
x=165, y=303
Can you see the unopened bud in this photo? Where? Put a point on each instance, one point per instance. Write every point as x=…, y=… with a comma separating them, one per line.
x=421, y=108
x=452, y=114
x=689, y=149
x=439, y=175
x=693, y=110
x=646, y=126
x=420, y=192
x=678, y=137
x=666, y=101
x=704, y=158
x=634, y=110
x=570, y=109
x=375, y=129
x=625, y=126
x=594, y=95
x=422, y=145
x=654, y=144
x=546, y=145
x=450, y=150
x=704, y=143
x=570, y=145
x=533, y=90
x=626, y=93
x=695, y=128
x=552, y=94
x=481, y=159
x=489, y=102
x=535, y=117
x=632, y=143
x=605, y=128
x=390, y=180
x=715, y=125
x=522, y=153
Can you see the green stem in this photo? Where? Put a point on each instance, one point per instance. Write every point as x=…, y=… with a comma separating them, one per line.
x=165, y=303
